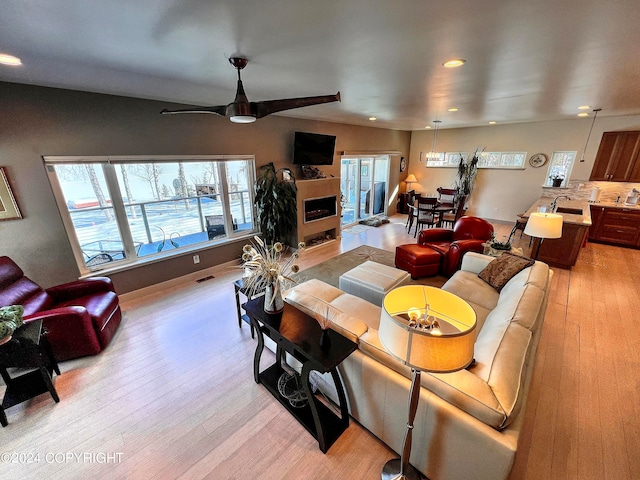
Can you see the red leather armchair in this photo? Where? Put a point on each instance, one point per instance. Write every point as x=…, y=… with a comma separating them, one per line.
x=468, y=235
x=81, y=317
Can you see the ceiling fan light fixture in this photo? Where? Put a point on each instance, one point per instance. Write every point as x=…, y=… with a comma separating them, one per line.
x=241, y=110
x=454, y=63
x=242, y=119
x=10, y=60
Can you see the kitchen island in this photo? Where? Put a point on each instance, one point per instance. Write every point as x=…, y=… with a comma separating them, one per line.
x=576, y=219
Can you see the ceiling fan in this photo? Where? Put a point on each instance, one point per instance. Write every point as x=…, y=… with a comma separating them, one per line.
x=241, y=110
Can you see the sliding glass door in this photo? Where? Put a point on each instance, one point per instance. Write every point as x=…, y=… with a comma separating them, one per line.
x=363, y=185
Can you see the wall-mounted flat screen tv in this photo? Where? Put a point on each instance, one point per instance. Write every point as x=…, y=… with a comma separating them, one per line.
x=313, y=149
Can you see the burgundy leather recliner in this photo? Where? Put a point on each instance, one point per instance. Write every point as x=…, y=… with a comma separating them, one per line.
x=81, y=317
x=440, y=250
x=468, y=235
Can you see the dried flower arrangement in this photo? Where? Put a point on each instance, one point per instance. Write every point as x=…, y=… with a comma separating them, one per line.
x=269, y=266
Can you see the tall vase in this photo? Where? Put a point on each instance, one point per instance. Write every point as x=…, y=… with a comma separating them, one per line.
x=273, y=302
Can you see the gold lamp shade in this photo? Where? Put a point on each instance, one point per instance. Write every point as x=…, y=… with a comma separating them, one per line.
x=444, y=346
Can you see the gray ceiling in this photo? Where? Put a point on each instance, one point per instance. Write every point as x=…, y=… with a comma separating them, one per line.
x=527, y=60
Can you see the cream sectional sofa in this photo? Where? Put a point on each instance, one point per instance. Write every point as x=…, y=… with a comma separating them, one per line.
x=468, y=422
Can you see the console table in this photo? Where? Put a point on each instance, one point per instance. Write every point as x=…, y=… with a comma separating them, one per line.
x=28, y=349
x=298, y=334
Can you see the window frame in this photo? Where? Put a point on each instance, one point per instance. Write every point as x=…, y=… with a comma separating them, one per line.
x=108, y=165
x=552, y=160
x=452, y=159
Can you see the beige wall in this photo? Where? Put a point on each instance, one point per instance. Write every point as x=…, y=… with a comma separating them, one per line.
x=501, y=194
x=36, y=121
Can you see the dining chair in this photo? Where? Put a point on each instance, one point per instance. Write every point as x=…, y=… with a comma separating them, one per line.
x=447, y=199
x=426, y=212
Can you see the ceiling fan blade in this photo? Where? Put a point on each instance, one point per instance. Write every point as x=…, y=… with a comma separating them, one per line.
x=217, y=110
x=262, y=109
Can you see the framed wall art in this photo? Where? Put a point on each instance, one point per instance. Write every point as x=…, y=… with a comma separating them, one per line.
x=8, y=206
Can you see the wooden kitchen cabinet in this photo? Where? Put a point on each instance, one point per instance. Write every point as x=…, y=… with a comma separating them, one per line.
x=596, y=218
x=619, y=226
x=618, y=158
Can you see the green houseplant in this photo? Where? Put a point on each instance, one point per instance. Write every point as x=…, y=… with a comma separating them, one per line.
x=276, y=203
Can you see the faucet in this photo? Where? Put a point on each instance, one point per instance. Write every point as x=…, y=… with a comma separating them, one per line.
x=555, y=201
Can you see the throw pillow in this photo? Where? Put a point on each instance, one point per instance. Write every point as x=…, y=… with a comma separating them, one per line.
x=503, y=268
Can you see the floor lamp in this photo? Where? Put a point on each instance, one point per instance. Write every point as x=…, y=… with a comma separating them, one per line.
x=543, y=225
x=429, y=330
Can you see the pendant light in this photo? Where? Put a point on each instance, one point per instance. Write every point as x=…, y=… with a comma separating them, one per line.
x=595, y=111
x=433, y=154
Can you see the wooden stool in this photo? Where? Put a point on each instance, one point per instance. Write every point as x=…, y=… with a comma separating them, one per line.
x=521, y=223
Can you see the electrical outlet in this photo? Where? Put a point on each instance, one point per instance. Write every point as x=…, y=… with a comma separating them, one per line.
x=196, y=259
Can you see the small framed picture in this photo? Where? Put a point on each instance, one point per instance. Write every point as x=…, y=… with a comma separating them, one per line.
x=8, y=207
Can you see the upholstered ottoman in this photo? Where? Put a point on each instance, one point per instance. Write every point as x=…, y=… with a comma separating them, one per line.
x=372, y=281
x=418, y=260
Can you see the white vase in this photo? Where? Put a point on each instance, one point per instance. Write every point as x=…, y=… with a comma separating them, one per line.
x=273, y=302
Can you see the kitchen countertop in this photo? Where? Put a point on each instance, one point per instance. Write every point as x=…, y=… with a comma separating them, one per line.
x=616, y=205
x=584, y=219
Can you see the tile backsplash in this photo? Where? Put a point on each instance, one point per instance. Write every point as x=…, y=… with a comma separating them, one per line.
x=581, y=190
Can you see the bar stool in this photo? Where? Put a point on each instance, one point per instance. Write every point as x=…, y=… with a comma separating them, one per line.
x=520, y=224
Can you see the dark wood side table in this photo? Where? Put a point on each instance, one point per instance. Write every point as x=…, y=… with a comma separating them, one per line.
x=298, y=334
x=239, y=288
x=27, y=349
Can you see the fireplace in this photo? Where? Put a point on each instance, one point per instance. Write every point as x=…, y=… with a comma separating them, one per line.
x=319, y=208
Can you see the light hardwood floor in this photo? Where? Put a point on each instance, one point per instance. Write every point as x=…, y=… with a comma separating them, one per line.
x=174, y=394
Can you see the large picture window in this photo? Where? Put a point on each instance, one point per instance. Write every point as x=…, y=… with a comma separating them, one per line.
x=117, y=210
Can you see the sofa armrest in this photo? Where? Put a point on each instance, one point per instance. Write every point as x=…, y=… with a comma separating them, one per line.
x=70, y=331
x=80, y=288
x=455, y=254
x=435, y=235
x=475, y=262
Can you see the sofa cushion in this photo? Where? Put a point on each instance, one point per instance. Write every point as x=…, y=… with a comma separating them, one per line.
x=462, y=389
x=25, y=292
x=503, y=268
x=313, y=296
x=475, y=292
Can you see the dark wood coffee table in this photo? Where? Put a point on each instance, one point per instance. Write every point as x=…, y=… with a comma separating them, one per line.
x=298, y=334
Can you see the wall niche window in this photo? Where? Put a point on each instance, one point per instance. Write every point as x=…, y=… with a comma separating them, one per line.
x=117, y=210
x=505, y=160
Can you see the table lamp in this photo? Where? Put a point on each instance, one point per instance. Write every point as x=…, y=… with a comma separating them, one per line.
x=411, y=178
x=543, y=225
x=429, y=330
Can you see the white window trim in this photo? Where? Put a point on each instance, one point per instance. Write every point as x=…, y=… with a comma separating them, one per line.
x=132, y=260
x=452, y=159
x=567, y=177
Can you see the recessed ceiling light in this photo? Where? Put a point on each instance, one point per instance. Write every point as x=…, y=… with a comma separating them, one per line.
x=584, y=107
x=373, y=119
x=492, y=122
x=583, y=114
x=455, y=62
x=10, y=60
x=454, y=109
x=428, y=127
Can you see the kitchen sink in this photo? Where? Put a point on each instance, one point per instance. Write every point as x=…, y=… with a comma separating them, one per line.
x=573, y=211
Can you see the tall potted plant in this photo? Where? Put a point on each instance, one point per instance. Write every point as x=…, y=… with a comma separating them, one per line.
x=276, y=203
x=466, y=176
